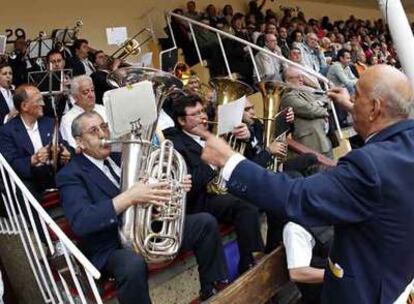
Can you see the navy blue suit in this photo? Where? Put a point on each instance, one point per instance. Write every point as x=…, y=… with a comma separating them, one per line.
x=86, y=195
x=367, y=197
x=17, y=147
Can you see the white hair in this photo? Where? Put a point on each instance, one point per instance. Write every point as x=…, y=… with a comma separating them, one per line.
x=75, y=83
x=397, y=104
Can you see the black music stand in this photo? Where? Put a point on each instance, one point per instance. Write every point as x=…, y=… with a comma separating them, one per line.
x=51, y=83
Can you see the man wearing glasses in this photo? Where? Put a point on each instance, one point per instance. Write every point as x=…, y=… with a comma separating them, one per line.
x=91, y=199
x=190, y=116
x=83, y=92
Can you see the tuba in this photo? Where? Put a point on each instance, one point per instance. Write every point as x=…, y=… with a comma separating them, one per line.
x=154, y=232
x=227, y=90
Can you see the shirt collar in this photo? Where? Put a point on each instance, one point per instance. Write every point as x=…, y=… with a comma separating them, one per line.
x=193, y=136
x=34, y=128
x=370, y=136
x=97, y=162
x=6, y=93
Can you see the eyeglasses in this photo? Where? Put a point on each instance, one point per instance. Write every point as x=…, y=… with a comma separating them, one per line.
x=249, y=108
x=96, y=129
x=198, y=113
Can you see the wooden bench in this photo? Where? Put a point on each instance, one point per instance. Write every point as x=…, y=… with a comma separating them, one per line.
x=259, y=284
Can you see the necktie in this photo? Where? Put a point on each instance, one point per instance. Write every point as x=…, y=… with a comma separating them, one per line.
x=111, y=170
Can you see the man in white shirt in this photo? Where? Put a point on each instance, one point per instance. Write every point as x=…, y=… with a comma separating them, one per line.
x=306, y=253
x=80, y=63
x=7, y=110
x=26, y=141
x=83, y=92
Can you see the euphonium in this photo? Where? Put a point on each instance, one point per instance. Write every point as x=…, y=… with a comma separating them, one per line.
x=271, y=94
x=227, y=90
x=155, y=232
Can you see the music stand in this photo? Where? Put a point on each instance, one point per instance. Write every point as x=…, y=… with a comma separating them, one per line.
x=51, y=83
x=63, y=36
x=39, y=47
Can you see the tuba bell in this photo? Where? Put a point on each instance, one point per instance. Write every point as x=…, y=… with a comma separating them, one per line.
x=154, y=232
x=227, y=90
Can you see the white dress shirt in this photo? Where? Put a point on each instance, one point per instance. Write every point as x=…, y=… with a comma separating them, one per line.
x=299, y=244
x=89, y=68
x=164, y=121
x=34, y=135
x=69, y=117
x=196, y=138
x=9, y=100
x=100, y=164
x=231, y=164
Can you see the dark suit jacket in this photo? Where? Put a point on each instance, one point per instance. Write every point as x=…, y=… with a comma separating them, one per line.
x=201, y=173
x=76, y=65
x=367, y=197
x=86, y=196
x=4, y=109
x=100, y=84
x=257, y=153
x=17, y=147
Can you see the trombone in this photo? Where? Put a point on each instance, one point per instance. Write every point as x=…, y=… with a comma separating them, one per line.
x=131, y=46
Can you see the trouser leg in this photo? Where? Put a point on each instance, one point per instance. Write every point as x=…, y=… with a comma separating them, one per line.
x=130, y=272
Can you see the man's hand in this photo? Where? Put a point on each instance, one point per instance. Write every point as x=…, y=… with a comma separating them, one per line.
x=290, y=115
x=340, y=96
x=41, y=156
x=64, y=155
x=156, y=193
x=187, y=183
x=216, y=152
x=241, y=132
x=278, y=149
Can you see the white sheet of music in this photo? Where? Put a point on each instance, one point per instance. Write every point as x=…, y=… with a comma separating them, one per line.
x=230, y=115
x=128, y=104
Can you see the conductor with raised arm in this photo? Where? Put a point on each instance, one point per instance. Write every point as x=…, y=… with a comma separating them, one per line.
x=367, y=196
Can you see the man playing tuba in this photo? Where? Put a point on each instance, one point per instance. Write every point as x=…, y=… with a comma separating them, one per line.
x=91, y=198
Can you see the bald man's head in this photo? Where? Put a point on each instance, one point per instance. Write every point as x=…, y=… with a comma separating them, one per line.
x=383, y=96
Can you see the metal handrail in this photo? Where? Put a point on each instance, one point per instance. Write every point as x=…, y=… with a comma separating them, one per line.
x=250, y=47
x=20, y=210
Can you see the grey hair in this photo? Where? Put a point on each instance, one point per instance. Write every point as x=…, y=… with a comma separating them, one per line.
x=397, y=104
x=76, y=126
x=75, y=83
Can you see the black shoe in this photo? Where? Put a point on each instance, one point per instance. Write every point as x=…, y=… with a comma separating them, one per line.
x=204, y=295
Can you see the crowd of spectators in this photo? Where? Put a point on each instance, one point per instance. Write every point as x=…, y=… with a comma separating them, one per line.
x=321, y=42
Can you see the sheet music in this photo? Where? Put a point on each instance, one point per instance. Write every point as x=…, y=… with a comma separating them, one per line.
x=230, y=115
x=128, y=104
x=116, y=35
